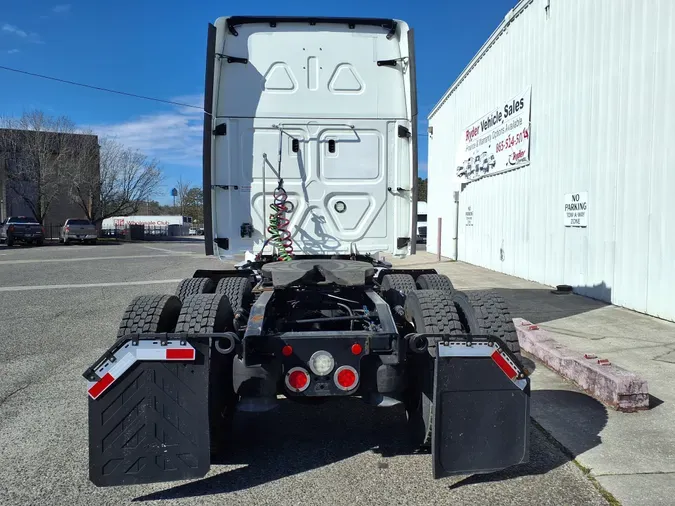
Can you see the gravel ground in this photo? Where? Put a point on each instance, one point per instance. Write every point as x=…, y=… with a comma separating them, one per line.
x=343, y=452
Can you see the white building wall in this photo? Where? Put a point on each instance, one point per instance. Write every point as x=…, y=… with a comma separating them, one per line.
x=602, y=121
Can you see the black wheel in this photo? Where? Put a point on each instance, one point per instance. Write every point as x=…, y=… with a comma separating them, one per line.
x=9, y=242
x=486, y=313
x=237, y=290
x=430, y=311
x=207, y=313
x=395, y=288
x=149, y=314
x=435, y=282
x=40, y=242
x=194, y=286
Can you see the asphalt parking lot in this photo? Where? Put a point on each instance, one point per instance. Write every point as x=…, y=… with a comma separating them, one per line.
x=59, y=310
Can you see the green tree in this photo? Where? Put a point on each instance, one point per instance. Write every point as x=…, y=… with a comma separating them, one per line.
x=421, y=189
x=193, y=204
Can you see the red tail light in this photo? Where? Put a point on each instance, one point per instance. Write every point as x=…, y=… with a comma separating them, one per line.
x=357, y=349
x=297, y=379
x=67, y=229
x=346, y=378
x=287, y=351
x=10, y=228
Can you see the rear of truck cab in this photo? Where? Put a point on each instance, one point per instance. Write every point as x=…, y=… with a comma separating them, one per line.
x=330, y=113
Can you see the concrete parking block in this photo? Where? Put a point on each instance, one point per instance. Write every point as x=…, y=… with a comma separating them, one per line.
x=614, y=386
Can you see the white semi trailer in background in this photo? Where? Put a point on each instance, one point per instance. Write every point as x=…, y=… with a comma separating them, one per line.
x=154, y=221
x=309, y=165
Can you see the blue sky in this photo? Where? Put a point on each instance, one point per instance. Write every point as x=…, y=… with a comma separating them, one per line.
x=157, y=48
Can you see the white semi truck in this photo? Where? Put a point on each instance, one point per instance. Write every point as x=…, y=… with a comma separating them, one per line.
x=310, y=166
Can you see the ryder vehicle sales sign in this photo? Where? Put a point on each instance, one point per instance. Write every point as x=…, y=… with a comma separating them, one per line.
x=498, y=141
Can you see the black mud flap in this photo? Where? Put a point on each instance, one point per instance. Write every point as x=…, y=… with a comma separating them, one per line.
x=152, y=423
x=481, y=409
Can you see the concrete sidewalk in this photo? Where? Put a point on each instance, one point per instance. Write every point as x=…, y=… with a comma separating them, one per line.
x=632, y=455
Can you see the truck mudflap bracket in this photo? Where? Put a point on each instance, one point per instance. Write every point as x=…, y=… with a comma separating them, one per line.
x=149, y=408
x=481, y=407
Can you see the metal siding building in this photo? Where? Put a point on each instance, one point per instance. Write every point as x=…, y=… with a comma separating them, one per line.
x=602, y=121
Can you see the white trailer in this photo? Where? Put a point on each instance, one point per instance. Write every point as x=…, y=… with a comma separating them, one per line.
x=151, y=221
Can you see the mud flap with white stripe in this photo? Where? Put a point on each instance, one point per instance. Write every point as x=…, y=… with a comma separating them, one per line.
x=481, y=408
x=148, y=412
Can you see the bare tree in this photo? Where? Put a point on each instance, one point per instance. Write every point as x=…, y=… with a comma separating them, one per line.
x=126, y=180
x=183, y=190
x=38, y=150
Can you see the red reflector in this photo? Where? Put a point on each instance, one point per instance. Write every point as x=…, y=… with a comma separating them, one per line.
x=180, y=354
x=298, y=380
x=287, y=351
x=101, y=385
x=357, y=349
x=504, y=365
x=346, y=378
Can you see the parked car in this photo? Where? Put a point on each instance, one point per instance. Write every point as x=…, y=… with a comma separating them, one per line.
x=76, y=229
x=22, y=229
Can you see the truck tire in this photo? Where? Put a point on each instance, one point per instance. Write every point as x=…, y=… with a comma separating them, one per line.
x=207, y=313
x=395, y=288
x=486, y=313
x=435, y=282
x=9, y=242
x=149, y=314
x=430, y=311
x=194, y=286
x=237, y=290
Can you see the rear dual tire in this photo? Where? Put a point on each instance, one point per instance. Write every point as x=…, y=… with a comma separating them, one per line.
x=150, y=314
x=434, y=312
x=452, y=313
x=434, y=282
x=486, y=313
x=198, y=314
x=194, y=286
x=206, y=313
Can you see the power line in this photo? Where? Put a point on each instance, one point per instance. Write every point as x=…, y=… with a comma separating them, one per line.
x=99, y=88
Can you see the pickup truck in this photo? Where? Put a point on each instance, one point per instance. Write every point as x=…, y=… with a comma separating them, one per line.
x=80, y=230
x=21, y=229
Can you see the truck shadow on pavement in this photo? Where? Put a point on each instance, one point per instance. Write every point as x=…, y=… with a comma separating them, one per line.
x=299, y=438
x=578, y=421
x=541, y=305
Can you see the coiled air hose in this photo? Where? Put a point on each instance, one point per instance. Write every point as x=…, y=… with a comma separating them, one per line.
x=280, y=236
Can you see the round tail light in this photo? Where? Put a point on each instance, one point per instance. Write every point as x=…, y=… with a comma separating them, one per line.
x=346, y=378
x=297, y=379
x=321, y=363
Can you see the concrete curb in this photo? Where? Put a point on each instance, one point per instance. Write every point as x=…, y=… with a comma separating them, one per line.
x=610, y=384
